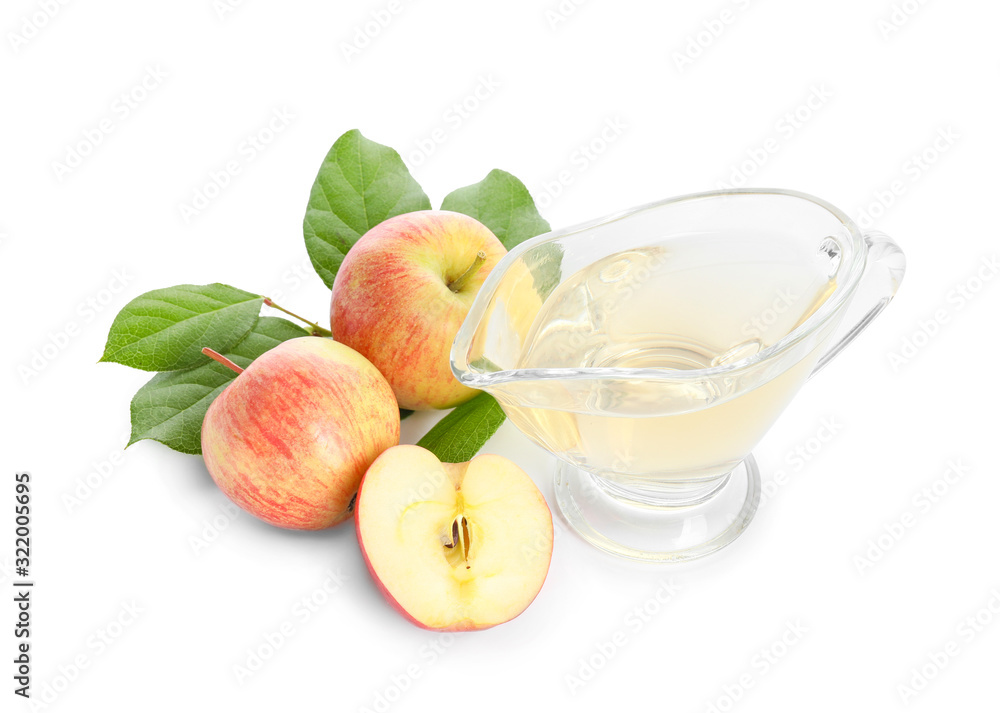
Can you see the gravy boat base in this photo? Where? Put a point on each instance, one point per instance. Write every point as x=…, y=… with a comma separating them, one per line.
x=682, y=530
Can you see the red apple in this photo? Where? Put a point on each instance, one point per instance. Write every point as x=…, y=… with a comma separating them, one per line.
x=403, y=291
x=453, y=546
x=291, y=437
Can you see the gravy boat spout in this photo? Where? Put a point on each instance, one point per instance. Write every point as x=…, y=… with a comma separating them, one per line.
x=650, y=351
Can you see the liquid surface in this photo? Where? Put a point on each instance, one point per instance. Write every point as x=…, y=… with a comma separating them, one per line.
x=678, y=307
x=661, y=307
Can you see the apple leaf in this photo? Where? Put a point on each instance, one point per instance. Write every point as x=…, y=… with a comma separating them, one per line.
x=458, y=436
x=503, y=204
x=359, y=185
x=545, y=264
x=170, y=408
x=165, y=330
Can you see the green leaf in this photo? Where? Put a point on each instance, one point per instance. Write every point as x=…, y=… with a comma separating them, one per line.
x=545, y=264
x=360, y=184
x=170, y=408
x=165, y=330
x=458, y=436
x=501, y=203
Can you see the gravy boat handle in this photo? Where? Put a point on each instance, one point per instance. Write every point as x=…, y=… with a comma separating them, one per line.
x=884, y=270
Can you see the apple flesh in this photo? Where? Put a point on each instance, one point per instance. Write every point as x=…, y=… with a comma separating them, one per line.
x=402, y=293
x=291, y=437
x=453, y=546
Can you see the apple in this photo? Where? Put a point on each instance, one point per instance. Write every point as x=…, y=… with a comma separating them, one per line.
x=453, y=546
x=401, y=294
x=291, y=437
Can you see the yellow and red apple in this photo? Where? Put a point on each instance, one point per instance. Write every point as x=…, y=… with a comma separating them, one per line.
x=401, y=294
x=291, y=437
x=453, y=546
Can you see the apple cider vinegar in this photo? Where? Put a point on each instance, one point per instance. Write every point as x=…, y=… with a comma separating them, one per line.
x=652, y=349
x=673, y=308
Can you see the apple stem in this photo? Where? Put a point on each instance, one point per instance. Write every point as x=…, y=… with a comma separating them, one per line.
x=315, y=329
x=222, y=360
x=459, y=282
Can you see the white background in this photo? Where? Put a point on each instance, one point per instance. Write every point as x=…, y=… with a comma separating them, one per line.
x=560, y=79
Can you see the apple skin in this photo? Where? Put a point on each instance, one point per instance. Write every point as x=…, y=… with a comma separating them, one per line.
x=391, y=300
x=455, y=472
x=291, y=437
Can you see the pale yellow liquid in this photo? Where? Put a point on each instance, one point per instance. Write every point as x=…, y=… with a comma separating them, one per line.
x=677, y=308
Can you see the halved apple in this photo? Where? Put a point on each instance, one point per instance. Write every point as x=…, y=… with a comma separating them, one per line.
x=453, y=546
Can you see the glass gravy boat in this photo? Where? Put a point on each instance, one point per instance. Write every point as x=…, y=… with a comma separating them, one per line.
x=650, y=351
